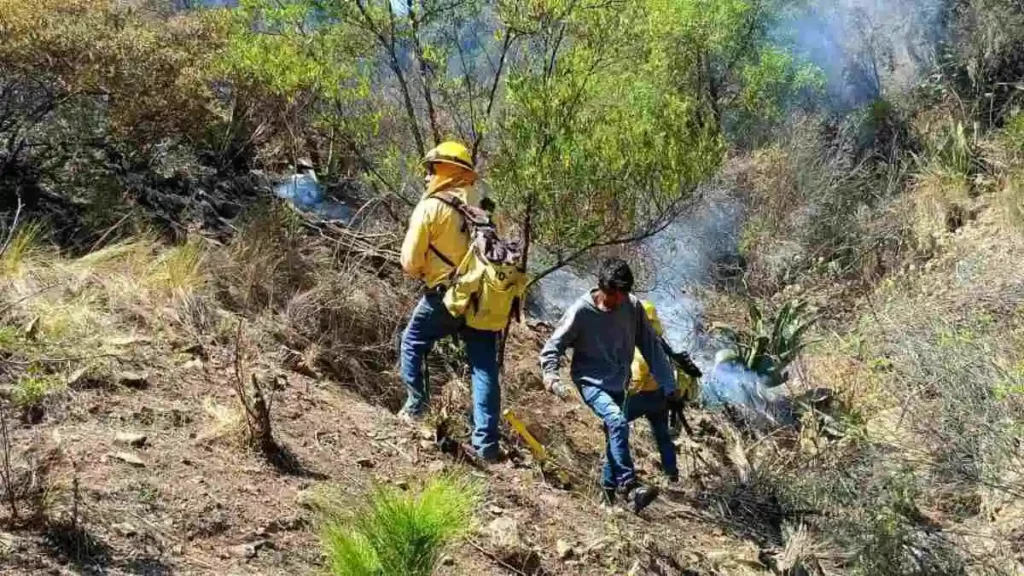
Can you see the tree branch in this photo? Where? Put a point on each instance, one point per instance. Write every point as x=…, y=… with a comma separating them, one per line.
x=652, y=228
x=396, y=67
x=505, y=47
x=424, y=70
x=14, y=227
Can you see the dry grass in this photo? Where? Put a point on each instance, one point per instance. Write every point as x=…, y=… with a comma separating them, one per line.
x=923, y=473
x=940, y=198
x=821, y=205
x=225, y=423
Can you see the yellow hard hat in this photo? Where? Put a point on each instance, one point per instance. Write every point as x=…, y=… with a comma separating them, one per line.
x=450, y=152
x=652, y=315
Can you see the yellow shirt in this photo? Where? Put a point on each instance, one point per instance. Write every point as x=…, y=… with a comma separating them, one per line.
x=435, y=223
x=642, y=381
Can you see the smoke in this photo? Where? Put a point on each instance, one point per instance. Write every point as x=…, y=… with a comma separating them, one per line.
x=680, y=257
x=867, y=48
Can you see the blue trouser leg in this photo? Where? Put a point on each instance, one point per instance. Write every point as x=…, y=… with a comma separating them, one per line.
x=618, y=460
x=607, y=469
x=429, y=323
x=482, y=349
x=651, y=405
x=663, y=438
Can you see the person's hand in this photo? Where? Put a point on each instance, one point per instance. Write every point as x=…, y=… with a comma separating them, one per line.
x=554, y=385
x=674, y=400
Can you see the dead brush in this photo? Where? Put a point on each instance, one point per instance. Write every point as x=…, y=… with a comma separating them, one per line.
x=263, y=267
x=349, y=320
x=255, y=393
x=28, y=477
x=934, y=449
x=815, y=202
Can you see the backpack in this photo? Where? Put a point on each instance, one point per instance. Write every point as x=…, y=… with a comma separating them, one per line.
x=488, y=285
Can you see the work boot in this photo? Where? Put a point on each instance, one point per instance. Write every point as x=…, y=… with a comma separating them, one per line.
x=482, y=459
x=609, y=495
x=417, y=422
x=639, y=497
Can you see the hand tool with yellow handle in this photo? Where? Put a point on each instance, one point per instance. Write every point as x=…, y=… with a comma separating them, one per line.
x=536, y=448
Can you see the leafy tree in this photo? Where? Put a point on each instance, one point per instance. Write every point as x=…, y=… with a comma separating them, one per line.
x=600, y=136
x=93, y=89
x=295, y=82
x=594, y=120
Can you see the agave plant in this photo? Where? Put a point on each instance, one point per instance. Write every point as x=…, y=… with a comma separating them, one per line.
x=769, y=344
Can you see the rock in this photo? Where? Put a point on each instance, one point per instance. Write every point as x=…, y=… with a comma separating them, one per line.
x=496, y=510
x=364, y=463
x=551, y=500
x=32, y=329
x=77, y=376
x=131, y=439
x=122, y=341
x=132, y=379
x=246, y=551
x=447, y=560
x=427, y=445
x=129, y=458
x=564, y=550
x=193, y=364
x=250, y=550
x=125, y=529
x=504, y=533
x=287, y=524
x=402, y=485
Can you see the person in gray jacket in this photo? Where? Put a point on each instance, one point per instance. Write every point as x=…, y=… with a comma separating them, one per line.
x=603, y=328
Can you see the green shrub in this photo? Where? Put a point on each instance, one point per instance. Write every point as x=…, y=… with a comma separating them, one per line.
x=770, y=344
x=397, y=533
x=33, y=388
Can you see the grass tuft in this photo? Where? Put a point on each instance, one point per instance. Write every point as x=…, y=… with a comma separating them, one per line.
x=20, y=249
x=400, y=533
x=226, y=422
x=179, y=269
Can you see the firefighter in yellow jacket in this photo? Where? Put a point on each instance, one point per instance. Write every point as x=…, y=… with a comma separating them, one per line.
x=647, y=399
x=436, y=243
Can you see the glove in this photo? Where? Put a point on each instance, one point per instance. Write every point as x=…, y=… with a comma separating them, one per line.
x=682, y=359
x=554, y=385
x=674, y=402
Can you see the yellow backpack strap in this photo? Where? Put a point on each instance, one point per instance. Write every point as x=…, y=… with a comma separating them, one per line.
x=455, y=203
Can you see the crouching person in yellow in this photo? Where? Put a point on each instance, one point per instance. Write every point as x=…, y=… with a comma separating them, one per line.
x=463, y=294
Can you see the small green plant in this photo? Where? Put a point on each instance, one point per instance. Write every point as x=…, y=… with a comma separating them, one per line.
x=399, y=533
x=9, y=337
x=33, y=388
x=769, y=344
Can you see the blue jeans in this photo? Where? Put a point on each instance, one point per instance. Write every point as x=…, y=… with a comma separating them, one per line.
x=430, y=322
x=618, y=470
x=651, y=405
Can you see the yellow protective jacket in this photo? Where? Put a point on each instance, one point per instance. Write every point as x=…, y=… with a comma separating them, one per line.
x=642, y=381
x=434, y=223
